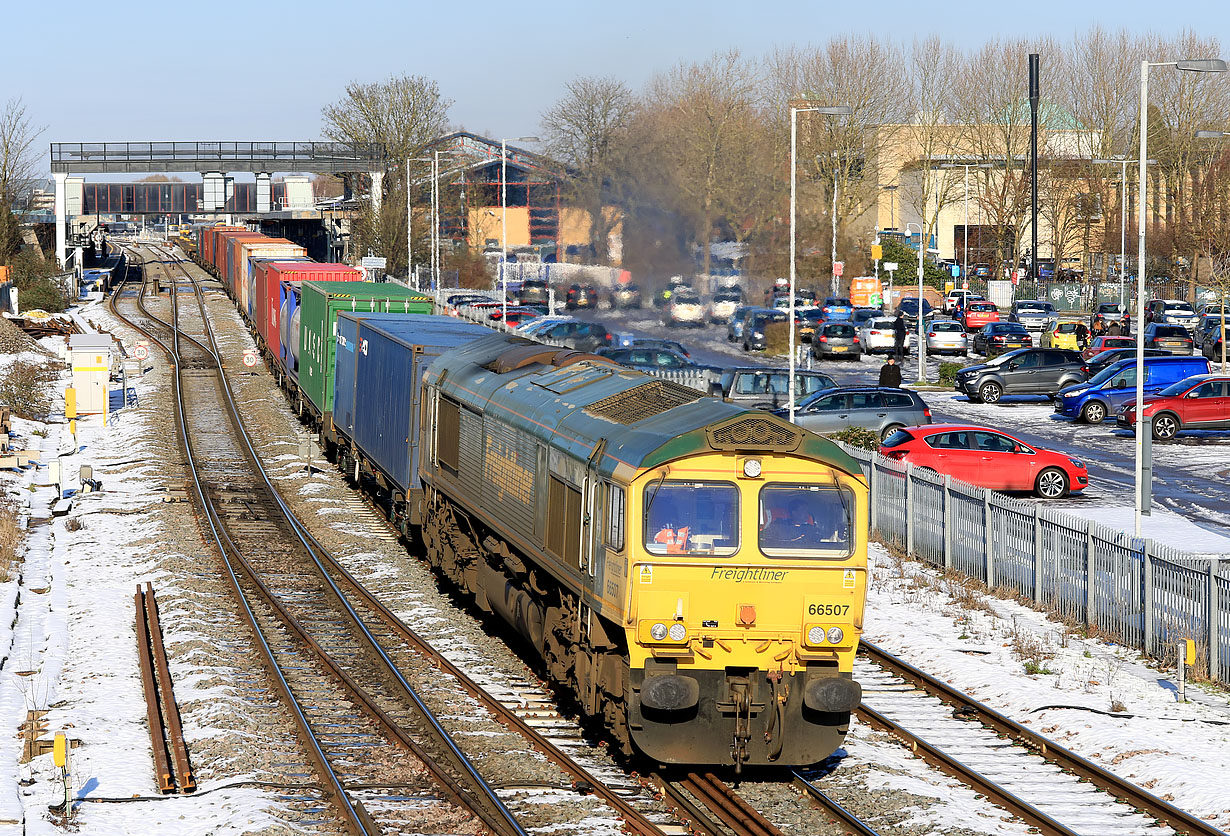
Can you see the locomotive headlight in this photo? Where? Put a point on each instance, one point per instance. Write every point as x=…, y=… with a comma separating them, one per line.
x=677, y=632
x=835, y=635
x=658, y=632
x=815, y=635
x=751, y=468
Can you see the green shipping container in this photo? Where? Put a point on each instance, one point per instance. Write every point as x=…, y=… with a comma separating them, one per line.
x=321, y=303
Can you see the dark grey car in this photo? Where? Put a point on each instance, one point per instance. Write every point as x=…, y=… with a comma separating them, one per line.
x=1027, y=371
x=835, y=340
x=765, y=387
x=882, y=410
x=754, y=327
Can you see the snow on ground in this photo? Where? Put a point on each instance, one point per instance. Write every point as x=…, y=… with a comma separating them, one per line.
x=1160, y=526
x=73, y=653
x=1096, y=698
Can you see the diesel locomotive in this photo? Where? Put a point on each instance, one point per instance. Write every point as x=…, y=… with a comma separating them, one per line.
x=692, y=571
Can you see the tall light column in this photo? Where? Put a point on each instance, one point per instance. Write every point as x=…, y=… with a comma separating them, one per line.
x=1144, y=446
x=795, y=110
x=504, y=219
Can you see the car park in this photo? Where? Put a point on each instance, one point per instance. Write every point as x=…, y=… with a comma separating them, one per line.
x=764, y=387
x=1208, y=329
x=1172, y=338
x=529, y=329
x=987, y=458
x=946, y=336
x=726, y=300
x=909, y=308
x=575, y=333
x=1108, y=313
x=650, y=358
x=837, y=307
x=734, y=328
x=1106, y=392
x=1101, y=344
x=959, y=299
x=1111, y=356
x=806, y=322
x=534, y=291
x=1027, y=371
x=581, y=296
x=684, y=308
x=836, y=341
x=653, y=342
x=1171, y=312
x=626, y=296
x=883, y=410
x=998, y=337
x=1200, y=402
x=755, y=328
x=876, y=336
x=1034, y=314
x=978, y=315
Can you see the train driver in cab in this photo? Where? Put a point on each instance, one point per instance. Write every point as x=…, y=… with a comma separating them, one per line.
x=670, y=534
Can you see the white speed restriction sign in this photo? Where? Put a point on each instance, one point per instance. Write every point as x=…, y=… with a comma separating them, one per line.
x=141, y=352
x=249, y=358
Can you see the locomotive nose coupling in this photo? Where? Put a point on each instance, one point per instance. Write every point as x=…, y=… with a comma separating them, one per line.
x=832, y=693
x=670, y=693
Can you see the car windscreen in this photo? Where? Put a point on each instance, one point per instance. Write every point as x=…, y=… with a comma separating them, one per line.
x=839, y=331
x=1179, y=308
x=727, y=297
x=981, y=307
x=802, y=520
x=897, y=439
x=687, y=300
x=1033, y=306
x=1010, y=328
x=1176, y=389
x=1108, y=372
x=948, y=327
x=1170, y=331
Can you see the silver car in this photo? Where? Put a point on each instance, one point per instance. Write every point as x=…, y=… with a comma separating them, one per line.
x=1035, y=315
x=947, y=336
x=882, y=410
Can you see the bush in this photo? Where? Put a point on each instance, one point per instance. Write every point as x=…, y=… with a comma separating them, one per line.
x=948, y=373
x=10, y=539
x=33, y=277
x=858, y=437
x=26, y=389
x=777, y=338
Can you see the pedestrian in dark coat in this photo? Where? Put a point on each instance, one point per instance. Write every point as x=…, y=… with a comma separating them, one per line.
x=899, y=334
x=890, y=373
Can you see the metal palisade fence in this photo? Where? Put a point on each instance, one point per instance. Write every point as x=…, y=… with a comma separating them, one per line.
x=1135, y=591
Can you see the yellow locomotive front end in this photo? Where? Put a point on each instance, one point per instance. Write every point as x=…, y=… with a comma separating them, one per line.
x=746, y=588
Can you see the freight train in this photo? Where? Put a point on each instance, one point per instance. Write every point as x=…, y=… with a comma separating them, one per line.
x=692, y=572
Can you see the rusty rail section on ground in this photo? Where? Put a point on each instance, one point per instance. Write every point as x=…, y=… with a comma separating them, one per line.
x=160, y=702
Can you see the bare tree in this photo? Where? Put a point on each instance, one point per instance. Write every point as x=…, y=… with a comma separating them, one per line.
x=404, y=114
x=587, y=131
x=699, y=125
x=18, y=163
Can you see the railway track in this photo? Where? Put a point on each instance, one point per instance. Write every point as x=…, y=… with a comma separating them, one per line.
x=1044, y=784
x=365, y=729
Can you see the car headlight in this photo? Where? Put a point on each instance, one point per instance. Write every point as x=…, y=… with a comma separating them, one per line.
x=677, y=632
x=757, y=334
x=1080, y=465
x=836, y=635
x=658, y=632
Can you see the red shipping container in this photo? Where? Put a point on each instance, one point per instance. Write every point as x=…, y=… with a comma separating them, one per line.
x=208, y=243
x=270, y=275
x=224, y=254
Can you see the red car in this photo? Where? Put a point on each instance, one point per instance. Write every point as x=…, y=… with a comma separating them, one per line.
x=1101, y=344
x=1200, y=402
x=987, y=458
x=978, y=314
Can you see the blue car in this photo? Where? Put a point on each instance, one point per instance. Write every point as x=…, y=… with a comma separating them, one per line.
x=836, y=307
x=1105, y=394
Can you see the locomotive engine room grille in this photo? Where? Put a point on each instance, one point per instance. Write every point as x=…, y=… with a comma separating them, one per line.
x=753, y=433
x=644, y=401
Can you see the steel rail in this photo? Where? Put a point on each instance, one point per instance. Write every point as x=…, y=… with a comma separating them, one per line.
x=844, y=817
x=157, y=731
x=1180, y=821
x=175, y=730
x=501, y=820
x=727, y=805
x=354, y=816
x=638, y=823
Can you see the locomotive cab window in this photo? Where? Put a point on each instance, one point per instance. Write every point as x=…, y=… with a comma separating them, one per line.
x=805, y=520
x=691, y=518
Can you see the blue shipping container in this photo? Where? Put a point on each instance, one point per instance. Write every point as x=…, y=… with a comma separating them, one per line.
x=344, y=365
x=288, y=326
x=391, y=356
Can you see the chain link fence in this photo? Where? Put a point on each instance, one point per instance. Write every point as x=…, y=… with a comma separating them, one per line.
x=1133, y=590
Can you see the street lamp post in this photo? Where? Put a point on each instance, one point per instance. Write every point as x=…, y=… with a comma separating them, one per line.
x=922, y=342
x=795, y=110
x=1144, y=446
x=504, y=220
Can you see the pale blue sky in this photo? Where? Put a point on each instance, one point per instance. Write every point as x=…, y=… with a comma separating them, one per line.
x=222, y=70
